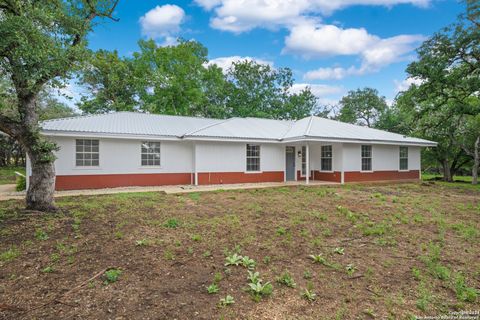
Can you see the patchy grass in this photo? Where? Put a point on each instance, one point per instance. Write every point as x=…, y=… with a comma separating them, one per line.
x=7, y=174
x=339, y=252
x=459, y=181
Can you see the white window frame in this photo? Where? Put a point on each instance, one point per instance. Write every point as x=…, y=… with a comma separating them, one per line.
x=400, y=158
x=326, y=158
x=85, y=152
x=247, y=157
x=362, y=157
x=147, y=153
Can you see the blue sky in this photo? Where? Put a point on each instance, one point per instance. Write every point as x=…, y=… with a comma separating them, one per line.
x=332, y=45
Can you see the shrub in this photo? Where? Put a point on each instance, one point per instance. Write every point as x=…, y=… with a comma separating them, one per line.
x=21, y=183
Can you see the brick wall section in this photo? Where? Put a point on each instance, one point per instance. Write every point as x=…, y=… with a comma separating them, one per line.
x=356, y=176
x=239, y=177
x=100, y=181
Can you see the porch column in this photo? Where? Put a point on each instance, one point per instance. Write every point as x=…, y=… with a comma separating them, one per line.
x=307, y=164
x=195, y=160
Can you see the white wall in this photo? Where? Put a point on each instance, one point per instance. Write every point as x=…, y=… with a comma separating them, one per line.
x=384, y=157
x=120, y=156
x=231, y=157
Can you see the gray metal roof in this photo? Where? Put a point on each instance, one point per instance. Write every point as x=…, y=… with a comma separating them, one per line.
x=316, y=127
x=128, y=123
x=142, y=124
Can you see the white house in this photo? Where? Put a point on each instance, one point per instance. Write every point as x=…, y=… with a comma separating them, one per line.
x=138, y=149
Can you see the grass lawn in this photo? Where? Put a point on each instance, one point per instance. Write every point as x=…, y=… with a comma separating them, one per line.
x=460, y=181
x=338, y=252
x=7, y=174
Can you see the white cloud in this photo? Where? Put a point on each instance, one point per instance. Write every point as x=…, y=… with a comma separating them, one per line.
x=404, y=85
x=329, y=40
x=318, y=90
x=162, y=21
x=335, y=73
x=226, y=62
x=243, y=15
x=312, y=40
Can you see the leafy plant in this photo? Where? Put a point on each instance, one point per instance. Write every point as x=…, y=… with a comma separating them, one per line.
x=307, y=274
x=350, y=269
x=318, y=258
x=463, y=292
x=281, y=231
x=253, y=277
x=111, y=275
x=41, y=235
x=196, y=237
x=260, y=290
x=228, y=300
x=248, y=263
x=9, y=255
x=309, y=295
x=171, y=223
x=286, y=279
x=213, y=288
x=267, y=260
x=217, y=278
x=142, y=243
x=339, y=250
x=48, y=269
x=233, y=260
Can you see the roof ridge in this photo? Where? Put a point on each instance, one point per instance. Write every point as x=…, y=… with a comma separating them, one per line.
x=206, y=127
x=309, y=126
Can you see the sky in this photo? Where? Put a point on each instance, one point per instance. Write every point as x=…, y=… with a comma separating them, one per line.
x=333, y=46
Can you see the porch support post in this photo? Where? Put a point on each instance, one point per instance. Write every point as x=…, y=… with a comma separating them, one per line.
x=195, y=160
x=307, y=164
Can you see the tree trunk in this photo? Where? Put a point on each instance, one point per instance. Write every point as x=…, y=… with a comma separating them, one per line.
x=41, y=185
x=476, y=161
x=40, y=152
x=447, y=175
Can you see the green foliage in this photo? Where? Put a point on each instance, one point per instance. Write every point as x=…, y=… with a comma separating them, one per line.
x=257, y=288
x=318, y=258
x=9, y=255
x=350, y=268
x=309, y=294
x=111, y=275
x=48, y=269
x=233, y=260
x=213, y=288
x=248, y=263
x=172, y=223
x=21, y=183
x=286, y=279
x=142, y=243
x=228, y=300
x=339, y=250
x=362, y=107
x=464, y=292
x=41, y=235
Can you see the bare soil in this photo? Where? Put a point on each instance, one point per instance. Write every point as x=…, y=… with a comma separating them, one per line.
x=169, y=248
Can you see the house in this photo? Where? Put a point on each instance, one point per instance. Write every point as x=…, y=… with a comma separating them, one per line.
x=137, y=149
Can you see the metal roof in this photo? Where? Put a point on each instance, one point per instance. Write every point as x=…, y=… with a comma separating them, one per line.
x=316, y=127
x=143, y=124
x=128, y=123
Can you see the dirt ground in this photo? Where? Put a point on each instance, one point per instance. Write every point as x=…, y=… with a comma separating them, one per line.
x=384, y=252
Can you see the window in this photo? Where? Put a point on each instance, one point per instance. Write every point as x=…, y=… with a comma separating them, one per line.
x=253, y=157
x=150, y=153
x=304, y=161
x=326, y=158
x=366, y=158
x=403, y=158
x=86, y=153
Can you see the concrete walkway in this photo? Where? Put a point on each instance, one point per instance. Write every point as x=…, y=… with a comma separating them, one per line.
x=7, y=192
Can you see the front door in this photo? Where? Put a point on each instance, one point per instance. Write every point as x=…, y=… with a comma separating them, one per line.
x=290, y=163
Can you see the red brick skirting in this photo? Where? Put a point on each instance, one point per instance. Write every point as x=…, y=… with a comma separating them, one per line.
x=100, y=181
x=355, y=176
x=239, y=177
x=327, y=176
